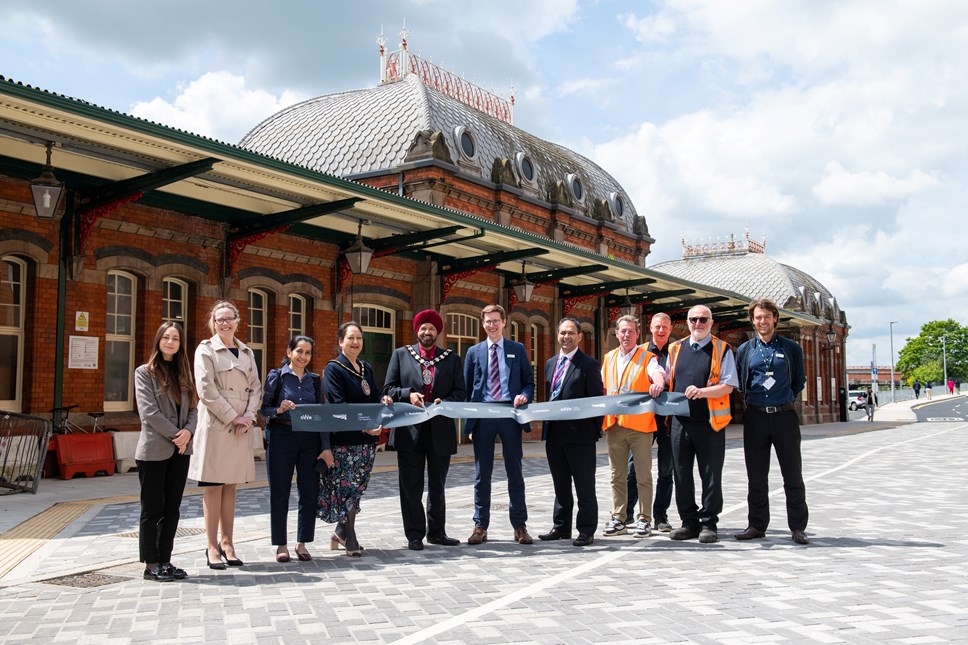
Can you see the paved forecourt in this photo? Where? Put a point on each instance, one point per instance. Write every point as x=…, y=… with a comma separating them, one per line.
x=889, y=530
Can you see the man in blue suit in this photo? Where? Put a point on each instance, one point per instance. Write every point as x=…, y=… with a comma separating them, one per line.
x=498, y=371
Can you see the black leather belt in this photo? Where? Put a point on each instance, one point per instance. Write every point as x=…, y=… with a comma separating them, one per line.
x=771, y=409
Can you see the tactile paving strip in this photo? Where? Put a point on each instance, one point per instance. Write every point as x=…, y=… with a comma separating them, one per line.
x=17, y=544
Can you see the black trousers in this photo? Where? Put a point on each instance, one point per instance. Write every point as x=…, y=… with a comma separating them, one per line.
x=573, y=462
x=693, y=442
x=781, y=431
x=290, y=451
x=411, y=465
x=162, y=487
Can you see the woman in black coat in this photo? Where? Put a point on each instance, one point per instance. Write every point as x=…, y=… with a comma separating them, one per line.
x=347, y=379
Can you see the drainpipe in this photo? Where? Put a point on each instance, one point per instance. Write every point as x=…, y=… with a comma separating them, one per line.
x=63, y=266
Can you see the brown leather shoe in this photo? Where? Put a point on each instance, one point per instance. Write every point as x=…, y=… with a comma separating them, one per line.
x=800, y=537
x=751, y=533
x=521, y=535
x=478, y=536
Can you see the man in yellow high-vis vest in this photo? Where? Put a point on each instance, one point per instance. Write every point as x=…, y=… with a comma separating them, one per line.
x=630, y=367
x=703, y=368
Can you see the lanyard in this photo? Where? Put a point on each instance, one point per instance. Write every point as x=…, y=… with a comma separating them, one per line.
x=768, y=362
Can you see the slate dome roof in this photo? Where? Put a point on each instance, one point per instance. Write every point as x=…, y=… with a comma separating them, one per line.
x=755, y=275
x=371, y=130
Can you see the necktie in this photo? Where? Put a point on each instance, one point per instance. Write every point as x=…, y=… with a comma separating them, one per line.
x=695, y=347
x=494, y=375
x=558, y=377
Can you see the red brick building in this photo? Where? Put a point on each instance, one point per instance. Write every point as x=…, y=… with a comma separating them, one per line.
x=454, y=201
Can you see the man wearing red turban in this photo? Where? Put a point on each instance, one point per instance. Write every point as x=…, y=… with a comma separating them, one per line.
x=424, y=374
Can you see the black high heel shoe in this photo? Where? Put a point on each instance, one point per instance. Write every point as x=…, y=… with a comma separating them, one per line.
x=219, y=566
x=231, y=563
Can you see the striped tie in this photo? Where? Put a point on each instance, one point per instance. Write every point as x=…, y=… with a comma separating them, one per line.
x=494, y=375
x=558, y=377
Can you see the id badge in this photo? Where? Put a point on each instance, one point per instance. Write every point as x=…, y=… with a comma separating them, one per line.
x=769, y=383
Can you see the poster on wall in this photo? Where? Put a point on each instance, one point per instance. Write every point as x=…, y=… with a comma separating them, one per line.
x=83, y=353
x=81, y=320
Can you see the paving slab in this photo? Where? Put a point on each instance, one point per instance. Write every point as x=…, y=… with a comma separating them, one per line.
x=886, y=564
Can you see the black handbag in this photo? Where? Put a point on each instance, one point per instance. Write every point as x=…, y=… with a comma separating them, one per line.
x=321, y=467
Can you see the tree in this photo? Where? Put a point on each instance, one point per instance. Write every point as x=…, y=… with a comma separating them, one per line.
x=922, y=357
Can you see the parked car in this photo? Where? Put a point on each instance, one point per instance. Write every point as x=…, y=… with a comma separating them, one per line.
x=857, y=399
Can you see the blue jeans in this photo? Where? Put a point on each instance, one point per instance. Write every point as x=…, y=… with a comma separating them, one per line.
x=485, y=435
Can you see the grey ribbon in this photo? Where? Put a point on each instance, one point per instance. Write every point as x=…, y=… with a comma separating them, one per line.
x=340, y=417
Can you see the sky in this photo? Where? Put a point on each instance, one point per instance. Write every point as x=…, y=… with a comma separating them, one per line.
x=836, y=130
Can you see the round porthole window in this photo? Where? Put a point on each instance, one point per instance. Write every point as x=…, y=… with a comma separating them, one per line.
x=616, y=205
x=575, y=187
x=526, y=167
x=465, y=142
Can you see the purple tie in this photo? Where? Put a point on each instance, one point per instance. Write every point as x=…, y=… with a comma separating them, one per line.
x=558, y=377
x=494, y=375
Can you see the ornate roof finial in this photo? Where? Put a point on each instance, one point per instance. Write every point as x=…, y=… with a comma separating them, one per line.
x=397, y=65
x=720, y=248
x=381, y=41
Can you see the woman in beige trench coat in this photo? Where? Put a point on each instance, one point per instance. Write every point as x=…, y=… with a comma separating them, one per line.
x=230, y=393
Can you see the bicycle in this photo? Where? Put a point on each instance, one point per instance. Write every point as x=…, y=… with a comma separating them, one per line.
x=61, y=423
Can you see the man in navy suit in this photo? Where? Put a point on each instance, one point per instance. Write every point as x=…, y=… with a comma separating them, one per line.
x=423, y=374
x=570, y=444
x=498, y=371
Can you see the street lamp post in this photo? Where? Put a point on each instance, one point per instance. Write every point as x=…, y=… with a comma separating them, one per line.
x=893, y=322
x=944, y=360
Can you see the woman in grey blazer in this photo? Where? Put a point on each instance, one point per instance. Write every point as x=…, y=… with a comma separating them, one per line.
x=167, y=405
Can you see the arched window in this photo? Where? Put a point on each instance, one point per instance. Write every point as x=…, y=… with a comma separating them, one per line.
x=119, y=340
x=258, y=331
x=12, y=310
x=462, y=332
x=297, y=315
x=174, y=301
x=377, y=326
x=515, y=328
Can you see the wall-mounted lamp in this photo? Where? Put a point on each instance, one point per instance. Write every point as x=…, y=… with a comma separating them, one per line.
x=358, y=255
x=627, y=308
x=523, y=288
x=47, y=191
x=831, y=337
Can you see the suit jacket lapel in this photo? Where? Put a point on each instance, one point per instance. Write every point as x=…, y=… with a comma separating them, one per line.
x=571, y=370
x=416, y=367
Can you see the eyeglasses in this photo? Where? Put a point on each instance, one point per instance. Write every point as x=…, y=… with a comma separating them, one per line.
x=699, y=320
x=225, y=321
x=488, y=323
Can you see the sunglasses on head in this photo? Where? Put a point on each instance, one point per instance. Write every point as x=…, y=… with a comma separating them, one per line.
x=699, y=320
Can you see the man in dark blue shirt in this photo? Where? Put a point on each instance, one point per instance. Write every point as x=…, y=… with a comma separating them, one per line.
x=771, y=376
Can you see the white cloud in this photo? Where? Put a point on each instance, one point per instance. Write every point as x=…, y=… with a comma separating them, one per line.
x=839, y=186
x=839, y=143
x=655, y=28
x=218, y=105
x=954, y=283
x=585, y=86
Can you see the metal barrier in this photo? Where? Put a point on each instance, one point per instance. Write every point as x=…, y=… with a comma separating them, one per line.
x=23, y=448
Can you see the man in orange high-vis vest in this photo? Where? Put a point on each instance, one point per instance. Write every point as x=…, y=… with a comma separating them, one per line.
x=703, y=368
x=630, y=368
